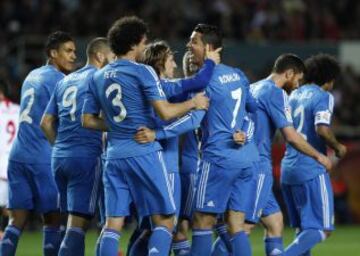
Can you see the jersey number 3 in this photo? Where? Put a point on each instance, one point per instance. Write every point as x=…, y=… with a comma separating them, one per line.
x=117, y=101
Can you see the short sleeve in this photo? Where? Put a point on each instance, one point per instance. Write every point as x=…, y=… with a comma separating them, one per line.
x=91, y=103
x=279, y=109
x=151, y=84
x=323, y=109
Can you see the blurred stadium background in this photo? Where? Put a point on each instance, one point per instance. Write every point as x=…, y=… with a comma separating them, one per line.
x=256, y=32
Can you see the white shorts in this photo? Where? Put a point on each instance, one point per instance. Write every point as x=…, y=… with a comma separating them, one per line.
x=3, y=193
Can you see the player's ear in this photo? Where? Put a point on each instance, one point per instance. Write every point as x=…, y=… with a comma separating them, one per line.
x=53, y=53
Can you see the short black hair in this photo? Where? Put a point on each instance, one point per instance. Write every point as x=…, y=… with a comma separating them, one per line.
x=95, y=45
x=210, y=34
x=125, y=33
x=55, y=39
x=155, y=55
x=4, y=87
x=288, y=61
x=321, y=68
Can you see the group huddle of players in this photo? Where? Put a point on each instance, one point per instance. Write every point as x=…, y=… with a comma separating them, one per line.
x=107, y=136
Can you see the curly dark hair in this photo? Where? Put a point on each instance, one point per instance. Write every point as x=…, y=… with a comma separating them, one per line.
x=125, y=33
x=155, y=55
x=288, y=61
x=55, y=39
x=210, y=34
x=321, y=68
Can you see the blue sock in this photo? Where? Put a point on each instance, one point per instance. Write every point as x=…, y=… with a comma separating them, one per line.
x=97, y=246
x=219, y=248
x=140, y=245
x=224, y=235
x=181, y=248
x=274, y=246
x=51, y=241
x=240, y=244
x=201, y=242
x=304, y=242
x=9, y=241
x=308, y=253
x=160, y=241
x=73, y=243
x=109, y=242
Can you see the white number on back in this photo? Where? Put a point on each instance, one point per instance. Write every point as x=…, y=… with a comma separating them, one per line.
x=69, y=100
x=24, y=115
x=300, y=112
x=236, y=95
x=117, y=101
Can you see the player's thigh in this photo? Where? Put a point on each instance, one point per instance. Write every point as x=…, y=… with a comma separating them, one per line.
x=317, y=208
x=188, y=182
x=117, y=194
x=83, y=185
x=58, y=169
x=260, y=189
x=45, y=189
x=20, y=192
x=213, y=188
x=291, y=205
x=150, y=187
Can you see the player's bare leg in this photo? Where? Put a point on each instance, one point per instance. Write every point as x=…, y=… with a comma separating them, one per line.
x=236, y=227
x=274, y=226
x=202, y=233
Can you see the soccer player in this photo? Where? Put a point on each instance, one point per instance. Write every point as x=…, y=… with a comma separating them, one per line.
x=159, y=55
x=224, y=163
x=128, y=92
x=31, y=183
x=76, y=150
x=274, y=113
x=305, y=183
x=9, y=113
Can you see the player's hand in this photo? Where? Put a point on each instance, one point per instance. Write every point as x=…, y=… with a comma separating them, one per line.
x=341, y=151
x=201, y=101
x=325, y=161
x=213, y=55
x=239, y=137
x=144, y=135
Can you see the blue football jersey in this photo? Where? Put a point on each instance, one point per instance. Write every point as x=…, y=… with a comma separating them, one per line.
x=228, y=92
x=66, y=104
x=310, y=106
x=123, y=90
x=31, y=145
x=273, y=113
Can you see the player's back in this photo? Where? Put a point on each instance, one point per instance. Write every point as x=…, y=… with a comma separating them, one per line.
x=310, y=105
x=30, y=145
x=72, y=139
x=9, y=113
x=273, y=112
x=125, y=90
x=228, y=91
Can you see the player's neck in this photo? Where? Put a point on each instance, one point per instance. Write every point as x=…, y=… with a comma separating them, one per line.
x=131, y=55
x=277, y=79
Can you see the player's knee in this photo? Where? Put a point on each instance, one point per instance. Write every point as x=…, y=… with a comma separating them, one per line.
x=274, y=225
x=167, y=221
x=235, y=222
x=203, y=220
x=52, y=219
x=248, y=227
x=18, y=218
x=115, y=223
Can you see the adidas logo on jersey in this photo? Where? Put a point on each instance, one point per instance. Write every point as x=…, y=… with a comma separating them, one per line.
x=210, y=204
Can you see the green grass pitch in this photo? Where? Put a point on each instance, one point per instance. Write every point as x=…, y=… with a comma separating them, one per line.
x=345, y=241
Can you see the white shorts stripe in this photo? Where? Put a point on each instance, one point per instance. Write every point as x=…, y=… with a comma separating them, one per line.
x=170, y=194
x=95, y=190
x=260, y=184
